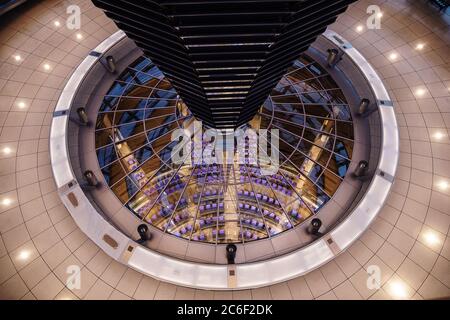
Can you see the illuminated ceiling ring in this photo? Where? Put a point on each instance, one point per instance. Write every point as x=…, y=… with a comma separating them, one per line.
x=223, y=277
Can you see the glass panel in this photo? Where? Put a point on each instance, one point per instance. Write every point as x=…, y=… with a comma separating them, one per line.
x=233, y=203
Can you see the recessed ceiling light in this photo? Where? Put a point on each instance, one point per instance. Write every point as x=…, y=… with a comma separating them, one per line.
x=7, y=150
x=79, y=36
x=398, y=289
x=431, y=238
x=18, y=57
x=393, y=56
x=24, y=255
x=57, y=23
x=438, y=135
x=443, y=185
x=379, y=15
x=21, y=105
x=46, y=66
x=420, y=92
x=420, y=46
x=359, y=28
x=6, y=202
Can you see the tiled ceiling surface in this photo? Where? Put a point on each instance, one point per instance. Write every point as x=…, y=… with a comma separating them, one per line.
x=408, y=240
x=223, y=57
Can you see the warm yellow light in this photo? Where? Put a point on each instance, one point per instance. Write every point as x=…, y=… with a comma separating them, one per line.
x=65, y=298
x=6, y=202
x=420, y=92
x=438, y=135
x=18, y=57
x=393, y=56
x=24, y=255
x=379, y=15
x=79, y=36
x=398, y=290
x=46, y=66
x=431, y=238
x=359, y=28
x=21, y=105
x=57, y=23
x=420, y=46
x=443, y=185
x=7, y=150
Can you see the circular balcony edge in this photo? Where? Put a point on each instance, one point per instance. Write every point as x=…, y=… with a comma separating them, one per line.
x=214, y=276
x=82, y=150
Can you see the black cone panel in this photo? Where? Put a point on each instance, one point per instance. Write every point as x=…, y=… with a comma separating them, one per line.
x=223, y=56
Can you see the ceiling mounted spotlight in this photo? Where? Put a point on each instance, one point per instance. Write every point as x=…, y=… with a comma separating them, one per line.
x=110, y=64
x=82, y=117
x=144, y=235
x=231, y=253
x=361, y=169
x=91, y=179
x=314, y=227
x=363, y=107
x=333, y=57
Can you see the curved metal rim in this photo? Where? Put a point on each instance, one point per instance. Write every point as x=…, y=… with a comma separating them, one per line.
x=210, y=276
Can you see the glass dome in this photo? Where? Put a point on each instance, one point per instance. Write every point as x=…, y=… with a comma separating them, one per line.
x=233, y=201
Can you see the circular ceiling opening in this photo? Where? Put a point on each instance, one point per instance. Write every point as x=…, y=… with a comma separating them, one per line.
x=235, y=201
